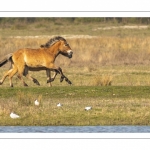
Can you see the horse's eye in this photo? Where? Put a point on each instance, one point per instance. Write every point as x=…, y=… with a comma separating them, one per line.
x=66, y=44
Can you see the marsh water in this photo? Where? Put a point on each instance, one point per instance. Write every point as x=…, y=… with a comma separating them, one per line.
x=74, y=129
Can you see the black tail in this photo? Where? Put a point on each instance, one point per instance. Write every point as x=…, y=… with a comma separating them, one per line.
x=6, y=58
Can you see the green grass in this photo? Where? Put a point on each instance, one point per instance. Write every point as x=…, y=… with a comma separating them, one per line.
x=79, y=91
x=112, y=105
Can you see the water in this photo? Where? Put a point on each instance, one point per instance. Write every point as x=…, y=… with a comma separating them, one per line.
x=74, y=129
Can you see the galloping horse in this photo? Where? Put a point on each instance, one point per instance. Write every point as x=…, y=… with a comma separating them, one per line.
x=8, y=58
x=44, y=58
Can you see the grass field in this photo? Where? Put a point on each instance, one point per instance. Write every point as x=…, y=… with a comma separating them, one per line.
x=109, y=71
x=113, y=105
x=123, y=102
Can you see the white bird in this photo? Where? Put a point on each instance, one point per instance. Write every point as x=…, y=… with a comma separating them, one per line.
x=14, y=116
x=59, y=105
x=88, y=108
x=36, y=102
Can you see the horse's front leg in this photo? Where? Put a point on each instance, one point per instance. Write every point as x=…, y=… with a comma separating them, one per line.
x=63, y=77
x=59, y=70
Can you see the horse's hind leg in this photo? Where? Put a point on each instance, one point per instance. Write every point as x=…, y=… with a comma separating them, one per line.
x=5, y=75
x=26, y=74
x=33, y=79
x=11, y=74
x=21, y=70
x=19, y=76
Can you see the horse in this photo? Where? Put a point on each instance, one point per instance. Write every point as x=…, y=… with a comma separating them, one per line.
x=8, y=58
x=43, y=57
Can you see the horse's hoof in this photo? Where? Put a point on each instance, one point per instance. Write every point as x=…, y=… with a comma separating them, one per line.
x=36, y=82
x=50, y=80
x=25, y=84
x=61, y=79
x=67, y=80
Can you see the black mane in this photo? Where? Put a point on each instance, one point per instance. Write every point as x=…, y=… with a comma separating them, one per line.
x=52, y=41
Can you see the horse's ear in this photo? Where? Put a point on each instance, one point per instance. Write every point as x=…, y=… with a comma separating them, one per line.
x=46, y=45
x=42, y=46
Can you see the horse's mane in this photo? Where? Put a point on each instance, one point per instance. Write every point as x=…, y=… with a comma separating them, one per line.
x=53, y=41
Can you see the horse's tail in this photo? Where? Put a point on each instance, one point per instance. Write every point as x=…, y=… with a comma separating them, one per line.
x=6, y=59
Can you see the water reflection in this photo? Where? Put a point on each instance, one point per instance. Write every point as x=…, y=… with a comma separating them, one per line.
x=74, y=129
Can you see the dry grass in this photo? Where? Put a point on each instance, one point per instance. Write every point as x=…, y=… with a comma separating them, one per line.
x=104, y=80
x=106, y=60
x=94, y=50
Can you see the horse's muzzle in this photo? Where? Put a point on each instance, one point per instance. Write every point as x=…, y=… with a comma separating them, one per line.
x=70, y=53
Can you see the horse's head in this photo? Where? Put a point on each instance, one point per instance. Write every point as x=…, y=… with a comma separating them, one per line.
x=65, y=49
x=61, y=45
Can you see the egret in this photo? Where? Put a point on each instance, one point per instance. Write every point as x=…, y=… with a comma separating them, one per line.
x=59, y=105
x=88, y=108
x=14, y=116
x=36, y=102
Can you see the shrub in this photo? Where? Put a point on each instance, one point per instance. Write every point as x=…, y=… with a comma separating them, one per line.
x=104, y=80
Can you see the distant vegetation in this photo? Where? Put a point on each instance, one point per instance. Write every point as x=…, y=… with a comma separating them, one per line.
x=30, y=23
x=29, y=26
x=21, y=21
